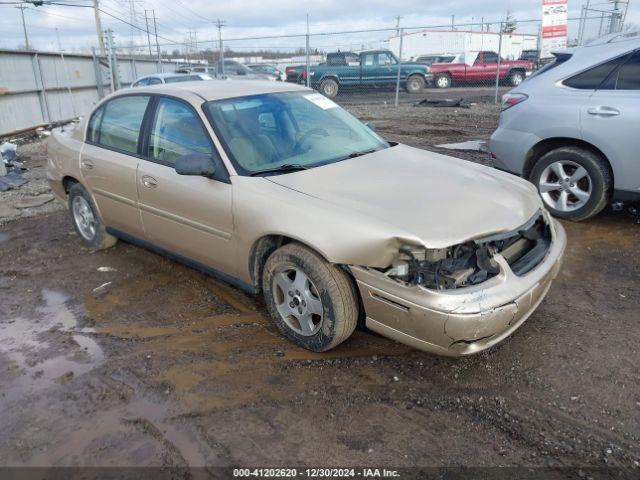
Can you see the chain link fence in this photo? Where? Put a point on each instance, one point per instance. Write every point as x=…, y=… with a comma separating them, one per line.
x=463, y=63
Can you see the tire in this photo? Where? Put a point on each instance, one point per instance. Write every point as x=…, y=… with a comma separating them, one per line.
x=415, y=84
x=322, y=287
x=516, y=78
x=329, y=88
x=564, y=172
x=442, y=81
x=86, y=221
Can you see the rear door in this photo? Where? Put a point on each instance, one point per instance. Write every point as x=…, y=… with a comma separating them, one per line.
x=611, y=120
x=187, y=215
x=109, y=160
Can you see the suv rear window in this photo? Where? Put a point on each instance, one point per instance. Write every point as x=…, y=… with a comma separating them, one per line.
x=595, y=77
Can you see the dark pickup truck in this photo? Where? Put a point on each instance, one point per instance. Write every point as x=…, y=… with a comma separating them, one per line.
x=376, y=68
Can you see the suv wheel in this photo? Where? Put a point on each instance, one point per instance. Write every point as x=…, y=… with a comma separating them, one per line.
x=516, y=78
x=443, y=81
x=329, y=88
x=574, y=183
x=313, y=303
x=415, y=84
x=86, y=221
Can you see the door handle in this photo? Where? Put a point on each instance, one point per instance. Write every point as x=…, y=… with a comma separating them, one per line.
x=604, y=111
x=87, y=164
x=149, y=182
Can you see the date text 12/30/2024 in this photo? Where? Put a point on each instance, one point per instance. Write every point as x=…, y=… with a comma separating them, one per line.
x=315, y=473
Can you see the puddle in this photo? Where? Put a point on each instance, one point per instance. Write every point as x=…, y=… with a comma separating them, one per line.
x=38, y=360
x=473, y=145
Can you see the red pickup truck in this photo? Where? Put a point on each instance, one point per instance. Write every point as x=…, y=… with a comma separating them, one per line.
x=479, y=67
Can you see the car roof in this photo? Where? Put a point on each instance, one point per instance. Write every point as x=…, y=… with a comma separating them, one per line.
x=220, y=89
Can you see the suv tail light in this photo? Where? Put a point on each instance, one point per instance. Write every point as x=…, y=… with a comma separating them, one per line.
x=511, y=99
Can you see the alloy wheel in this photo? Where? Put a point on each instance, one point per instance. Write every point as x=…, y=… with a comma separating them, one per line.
x=298, y=302
x=565, y=186
x=84, y=218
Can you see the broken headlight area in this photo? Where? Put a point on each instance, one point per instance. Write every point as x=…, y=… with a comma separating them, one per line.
x=473, y=262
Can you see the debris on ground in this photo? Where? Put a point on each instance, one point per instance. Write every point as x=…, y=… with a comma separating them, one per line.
x=31, y=201
x=444, y=103
x=8, y=152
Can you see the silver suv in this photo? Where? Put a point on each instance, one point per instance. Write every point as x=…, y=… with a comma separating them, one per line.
x=573, y=128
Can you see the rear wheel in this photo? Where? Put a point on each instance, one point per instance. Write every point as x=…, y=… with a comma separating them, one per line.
x=442, y=81
x=86, y=221
x=415, y=84
x=329, y=87
x=313, y=303
x=574, y=183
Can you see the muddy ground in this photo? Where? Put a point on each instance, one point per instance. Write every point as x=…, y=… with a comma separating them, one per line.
x=126, y=358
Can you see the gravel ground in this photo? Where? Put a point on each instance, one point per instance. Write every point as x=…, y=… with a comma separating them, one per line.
x=125, y=358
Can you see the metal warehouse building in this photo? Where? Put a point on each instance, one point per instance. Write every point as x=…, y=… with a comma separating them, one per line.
x=426, y=42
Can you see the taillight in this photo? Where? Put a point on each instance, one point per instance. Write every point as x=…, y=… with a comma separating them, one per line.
x=511, y=99
x=287, y=70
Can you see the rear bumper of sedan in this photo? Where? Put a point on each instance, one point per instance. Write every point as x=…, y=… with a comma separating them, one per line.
x=458, y=322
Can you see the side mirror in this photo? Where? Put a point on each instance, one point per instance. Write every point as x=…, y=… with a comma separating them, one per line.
x=195, y=164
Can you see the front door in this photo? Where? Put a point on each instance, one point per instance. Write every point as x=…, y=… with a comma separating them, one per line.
x=109, y=160
x=187, y=215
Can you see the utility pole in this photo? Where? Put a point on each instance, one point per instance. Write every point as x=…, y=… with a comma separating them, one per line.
x=146, y=21
x=155, y=31
x=24, y=27
x=613, y=20
x=453, y=22
x=308, y=62
x=398, y=18
x=220, y=24
x=96, y=13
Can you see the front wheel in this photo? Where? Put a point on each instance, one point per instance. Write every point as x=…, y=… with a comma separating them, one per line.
x=443, y=81
x=329, y=88
x=574, y=183
x=516, y=78
x=415, y=84
x=313, y=303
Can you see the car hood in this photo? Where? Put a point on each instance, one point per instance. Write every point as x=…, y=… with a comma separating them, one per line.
x=441, y=200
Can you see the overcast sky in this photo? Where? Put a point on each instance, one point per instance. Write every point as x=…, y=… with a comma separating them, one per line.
x=248, y=18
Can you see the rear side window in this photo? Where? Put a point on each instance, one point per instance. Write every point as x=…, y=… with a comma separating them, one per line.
x=629, y=75
x=183, y=78
x=154, y=81
x=93, y=130
x=593, y=78
x=121, y=121
x=176, y=131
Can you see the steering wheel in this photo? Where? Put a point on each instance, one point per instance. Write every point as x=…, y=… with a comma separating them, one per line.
x=307, y=135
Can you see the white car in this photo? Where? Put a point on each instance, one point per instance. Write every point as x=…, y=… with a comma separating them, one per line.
x=161, y=78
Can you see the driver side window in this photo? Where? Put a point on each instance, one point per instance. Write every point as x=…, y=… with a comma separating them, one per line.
x=384, y=60
x=176, y=131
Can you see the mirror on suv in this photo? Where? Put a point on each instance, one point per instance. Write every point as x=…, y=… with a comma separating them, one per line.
x=195, y=164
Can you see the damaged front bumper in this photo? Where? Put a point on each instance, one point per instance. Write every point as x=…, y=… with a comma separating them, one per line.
x=462, y=321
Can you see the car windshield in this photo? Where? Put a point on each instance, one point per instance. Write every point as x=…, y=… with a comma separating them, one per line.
x=301, y=129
